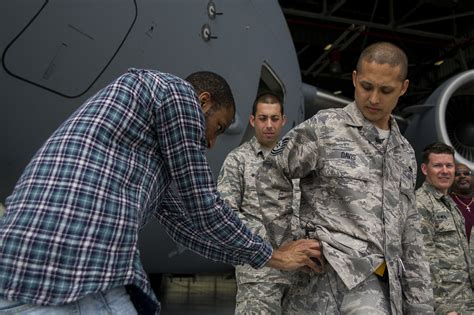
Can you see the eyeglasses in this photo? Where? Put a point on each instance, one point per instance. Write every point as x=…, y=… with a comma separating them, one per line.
x=463, y=173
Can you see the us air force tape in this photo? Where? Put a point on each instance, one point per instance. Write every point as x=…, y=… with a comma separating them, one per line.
x=278, y=149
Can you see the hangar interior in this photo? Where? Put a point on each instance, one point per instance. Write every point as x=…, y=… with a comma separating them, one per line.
x=437, y=36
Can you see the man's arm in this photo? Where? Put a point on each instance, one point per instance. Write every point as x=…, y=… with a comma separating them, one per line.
x=180, y=132
x=425, y=208
x=230, y=182
x=172, y=215
x=417, y=291
x=180, y=128
x=428, y=232
x=295, y=156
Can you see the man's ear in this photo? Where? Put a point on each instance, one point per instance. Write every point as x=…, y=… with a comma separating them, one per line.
x=405, y=84
x=204, y=99
x=424, y=169
x=252, y=121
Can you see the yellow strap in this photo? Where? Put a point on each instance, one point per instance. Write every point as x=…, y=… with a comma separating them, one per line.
x=381, y=269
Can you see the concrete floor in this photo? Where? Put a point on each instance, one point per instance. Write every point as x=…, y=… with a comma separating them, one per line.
x=212, y=294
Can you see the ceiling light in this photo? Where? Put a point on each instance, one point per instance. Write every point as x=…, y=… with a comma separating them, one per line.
x=439, y=62
x=337, y=92
x=335, y=64
x=328, y=46
x=335, y=67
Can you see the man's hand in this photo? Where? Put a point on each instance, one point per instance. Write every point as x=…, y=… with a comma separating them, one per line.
x=298, y=254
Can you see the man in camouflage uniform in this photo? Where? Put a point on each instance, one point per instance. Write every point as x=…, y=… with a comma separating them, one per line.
x=258, y=291
x=357, y=177
x=444, y=233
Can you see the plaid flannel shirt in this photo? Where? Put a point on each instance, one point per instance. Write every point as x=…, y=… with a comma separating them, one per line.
x=73, y=219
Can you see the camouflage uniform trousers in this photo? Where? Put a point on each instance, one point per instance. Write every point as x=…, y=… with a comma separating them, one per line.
x=329, y=295
x=273, y=298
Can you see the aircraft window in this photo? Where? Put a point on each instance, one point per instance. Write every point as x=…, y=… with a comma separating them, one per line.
x=269, y=81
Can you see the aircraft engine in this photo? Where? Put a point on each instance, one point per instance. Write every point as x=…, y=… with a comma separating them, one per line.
x=447, y=116
x=316, y=99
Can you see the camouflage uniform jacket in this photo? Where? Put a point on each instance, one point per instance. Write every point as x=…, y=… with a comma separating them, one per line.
x=236, y=184
x=359, y=197
x=471, y=248
x=446, y=248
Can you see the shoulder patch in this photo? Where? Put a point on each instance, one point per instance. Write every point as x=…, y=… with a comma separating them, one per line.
x=278, y=149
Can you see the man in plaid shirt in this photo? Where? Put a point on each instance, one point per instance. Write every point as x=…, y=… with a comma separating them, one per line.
x=69, y=235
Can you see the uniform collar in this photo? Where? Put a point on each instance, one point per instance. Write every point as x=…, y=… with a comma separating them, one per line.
x=355, y=118
x=432, y=190
x=257, y=147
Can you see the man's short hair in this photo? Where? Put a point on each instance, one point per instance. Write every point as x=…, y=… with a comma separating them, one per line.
x=268, y=97
x=436, y=148
x=217, y=86
x=385, y=52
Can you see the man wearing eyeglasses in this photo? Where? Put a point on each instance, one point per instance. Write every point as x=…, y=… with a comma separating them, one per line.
x=461, y=192
x=442, y=224
x=463, y=196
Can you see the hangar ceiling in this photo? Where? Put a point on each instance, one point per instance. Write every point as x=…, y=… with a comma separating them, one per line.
x=430, y=32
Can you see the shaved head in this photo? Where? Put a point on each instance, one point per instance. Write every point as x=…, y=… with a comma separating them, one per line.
x=385, y=53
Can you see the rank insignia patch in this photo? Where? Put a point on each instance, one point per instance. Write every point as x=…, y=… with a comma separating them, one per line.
x=278, y=149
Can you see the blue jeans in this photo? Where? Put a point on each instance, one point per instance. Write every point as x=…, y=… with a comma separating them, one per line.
x=115, y=301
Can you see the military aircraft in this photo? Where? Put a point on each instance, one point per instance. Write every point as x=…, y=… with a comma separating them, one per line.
x=447, y=116
x=56, y=54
